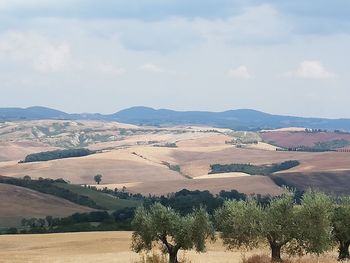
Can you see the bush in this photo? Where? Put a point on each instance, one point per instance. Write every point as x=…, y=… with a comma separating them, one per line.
x=253, y=169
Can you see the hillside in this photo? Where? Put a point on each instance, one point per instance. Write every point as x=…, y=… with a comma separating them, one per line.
x=240, y=119
x=101, y=199
x=18, y=202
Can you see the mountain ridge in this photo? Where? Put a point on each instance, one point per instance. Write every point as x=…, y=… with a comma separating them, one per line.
x=239, y=119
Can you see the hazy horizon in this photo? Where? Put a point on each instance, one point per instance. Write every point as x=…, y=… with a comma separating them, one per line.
x=178, y=110
x=279, y=57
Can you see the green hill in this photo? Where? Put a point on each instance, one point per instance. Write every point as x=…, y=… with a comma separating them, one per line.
x=106, y=201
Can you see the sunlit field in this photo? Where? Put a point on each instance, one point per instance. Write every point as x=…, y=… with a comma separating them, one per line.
x=107, y=247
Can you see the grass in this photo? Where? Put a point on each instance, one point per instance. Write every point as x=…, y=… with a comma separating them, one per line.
x=101, y=199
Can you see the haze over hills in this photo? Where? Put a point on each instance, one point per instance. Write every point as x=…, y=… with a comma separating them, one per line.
x=240, y=119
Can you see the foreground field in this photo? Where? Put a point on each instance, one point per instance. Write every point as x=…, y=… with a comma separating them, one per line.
x=102, y=247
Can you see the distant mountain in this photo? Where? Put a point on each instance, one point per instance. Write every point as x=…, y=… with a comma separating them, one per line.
x=241, y=119
x=32, y=113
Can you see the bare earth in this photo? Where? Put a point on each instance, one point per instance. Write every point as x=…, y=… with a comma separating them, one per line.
x=18, y=200
x=104, y=247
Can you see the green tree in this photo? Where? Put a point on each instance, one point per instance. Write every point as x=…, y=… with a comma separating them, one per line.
x=279, y=224
x=314, y=223
x=341, y=227
x=239, y=223
x=244, y=223
x=98, y=178
x=164, y=226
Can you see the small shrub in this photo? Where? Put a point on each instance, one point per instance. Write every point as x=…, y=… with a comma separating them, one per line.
x=153, y=258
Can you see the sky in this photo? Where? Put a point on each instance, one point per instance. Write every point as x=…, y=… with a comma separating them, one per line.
x=278, y=56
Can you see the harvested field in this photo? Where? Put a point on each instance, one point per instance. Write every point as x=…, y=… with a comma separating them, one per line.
x=140, y=160
x=117, y=166
x=106, y=247
x=18, y=203
x=245, y=184
x=295, y=139
x=18, y=150
x=337, y=182
x=140, y=168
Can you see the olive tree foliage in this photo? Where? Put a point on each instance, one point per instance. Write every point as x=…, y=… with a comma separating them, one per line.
x=314, y=235
x=279, y=224
x=245, y=223
x=164, y=226
x=239, y=224
x=341, y=227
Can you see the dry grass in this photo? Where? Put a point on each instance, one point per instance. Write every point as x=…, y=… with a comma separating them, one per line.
x=264, y=258
x=17, y=203
x=18, y=150
x=106, y=247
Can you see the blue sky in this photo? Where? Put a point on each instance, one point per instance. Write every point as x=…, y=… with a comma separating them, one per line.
x=285, y=57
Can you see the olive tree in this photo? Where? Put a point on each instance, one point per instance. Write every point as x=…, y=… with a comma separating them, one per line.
x=279, y=224
x=314, y=223
x=341, y=227
x=164, y=226
x=239, y=223
x=244, y=224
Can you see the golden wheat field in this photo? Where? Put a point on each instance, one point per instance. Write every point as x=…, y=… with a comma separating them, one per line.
x=106, y=247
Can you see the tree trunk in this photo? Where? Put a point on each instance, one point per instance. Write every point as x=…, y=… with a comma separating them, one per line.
x=344, y=251
x=173, y=255
x=275, y=252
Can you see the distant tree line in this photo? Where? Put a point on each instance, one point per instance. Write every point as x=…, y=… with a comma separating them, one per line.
x=319, y=146
x=183, y=202
x=57, y=154
x=253, y=169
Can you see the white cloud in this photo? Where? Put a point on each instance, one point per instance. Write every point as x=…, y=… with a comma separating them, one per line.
x=110, y=69
x=53, y=59
x=152, y=68
x=149, y=67
x=240, y=72
x=257, y=25
x=35, y=51
x=311, y=69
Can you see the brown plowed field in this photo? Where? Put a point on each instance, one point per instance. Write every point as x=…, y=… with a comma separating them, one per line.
x=295, y=139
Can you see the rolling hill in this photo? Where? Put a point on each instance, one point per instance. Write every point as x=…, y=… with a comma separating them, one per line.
x=18, y=203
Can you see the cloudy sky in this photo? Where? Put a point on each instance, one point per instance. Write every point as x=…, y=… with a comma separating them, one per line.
x=285, y=57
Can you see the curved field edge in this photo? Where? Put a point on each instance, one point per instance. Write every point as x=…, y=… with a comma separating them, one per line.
x=19, y=202
x=101, y=199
